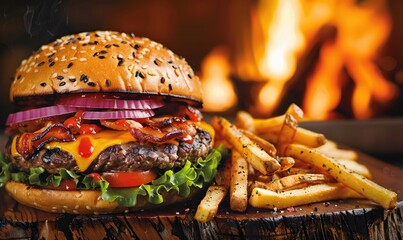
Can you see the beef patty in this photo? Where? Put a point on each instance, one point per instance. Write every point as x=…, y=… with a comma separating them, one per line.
x=123, y=157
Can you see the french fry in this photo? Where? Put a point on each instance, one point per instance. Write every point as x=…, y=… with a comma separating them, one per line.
x=369, y=189
x=245, y=121
x=309, y=138
x=266, y=145
x=286, y=163
x=208, y=207
x=254, y=154
x=296, y=181
x=269, y=124
x=295, y=111
x=288, y=130
x=355, y=167
x=239, y=183
x=263, y=198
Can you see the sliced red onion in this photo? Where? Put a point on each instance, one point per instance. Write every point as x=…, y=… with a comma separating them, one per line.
x=39, y=113
x=124, y=114
x=82, y=102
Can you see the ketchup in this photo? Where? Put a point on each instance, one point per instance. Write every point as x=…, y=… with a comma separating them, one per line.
x=85, y=148
x=74, y=124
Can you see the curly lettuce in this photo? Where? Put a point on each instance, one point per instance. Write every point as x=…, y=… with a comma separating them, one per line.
x=180, y=180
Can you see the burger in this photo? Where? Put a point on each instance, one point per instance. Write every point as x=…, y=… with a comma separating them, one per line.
x=108, y=122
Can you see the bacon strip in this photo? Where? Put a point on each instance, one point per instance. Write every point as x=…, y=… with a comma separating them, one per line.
x=28, y=143
x=164, y=129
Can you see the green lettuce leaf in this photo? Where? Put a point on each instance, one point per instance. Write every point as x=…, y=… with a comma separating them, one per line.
x=180, y=180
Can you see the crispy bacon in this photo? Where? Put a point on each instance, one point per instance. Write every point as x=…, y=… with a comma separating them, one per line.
x=161, y=130
x=28, y=143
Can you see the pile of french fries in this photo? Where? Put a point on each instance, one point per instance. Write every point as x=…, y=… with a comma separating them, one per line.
x=276, y=164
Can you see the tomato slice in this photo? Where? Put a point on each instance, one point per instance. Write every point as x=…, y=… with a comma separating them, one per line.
x=129, y=179
x=64, y=185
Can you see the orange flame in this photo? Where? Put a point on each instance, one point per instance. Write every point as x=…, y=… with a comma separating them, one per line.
x=219, y=93
x=281, y=31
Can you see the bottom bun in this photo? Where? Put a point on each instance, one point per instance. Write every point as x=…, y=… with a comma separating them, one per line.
x=80, y=201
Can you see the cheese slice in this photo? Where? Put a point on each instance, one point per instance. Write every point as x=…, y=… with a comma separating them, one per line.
x=100, y=142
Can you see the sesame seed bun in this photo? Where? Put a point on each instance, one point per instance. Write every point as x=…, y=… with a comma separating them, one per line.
x=81, y=201
x=108, y=62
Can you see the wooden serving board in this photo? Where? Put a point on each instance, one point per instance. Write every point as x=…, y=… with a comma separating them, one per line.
x=347, y=219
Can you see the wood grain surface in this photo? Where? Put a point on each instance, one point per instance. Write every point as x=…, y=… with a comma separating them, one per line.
x=346, y=219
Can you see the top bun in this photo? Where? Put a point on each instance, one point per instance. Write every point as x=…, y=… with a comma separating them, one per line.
x=108, y=62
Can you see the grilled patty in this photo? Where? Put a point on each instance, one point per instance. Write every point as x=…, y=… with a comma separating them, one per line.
x=123, y=157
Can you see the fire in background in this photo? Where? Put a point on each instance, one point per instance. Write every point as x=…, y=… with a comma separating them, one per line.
x=275, y=37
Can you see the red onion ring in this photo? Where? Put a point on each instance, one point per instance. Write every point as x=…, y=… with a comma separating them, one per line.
x=124, y=114
x=38, y=113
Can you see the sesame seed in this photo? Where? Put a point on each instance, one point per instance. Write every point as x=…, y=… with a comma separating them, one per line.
x=101, y=57
x=74, y=47
x=36, y=70
x=64, y=70
x=18, y=77
x=95, y=54
x=62, y=84
x=137, y=47
x=43, y=84
x=51, y=64
x=108, y=82
x=174, y=67
x=69, y=65
x=120, y=56
x=92, y=84
x=152, y=73
x=72, y=79
x=54, y=75
x=145, y=66
x=170, y=87
x=49, y=55
x=115, y=45
x=93, y=47
x=137, y=61
x=120, y=63
x=162, y=80
x=84, y=78
x=132, y=35
x=190, y=76
x=103, y=52
x=83, y=59
x=124, y=42
x=155, y=62
x=60, y=77
x=41, y=63
x=108, y=45
x=134, y=54
x=73, y=58
x=141, y=75
x=170, y=61
x=176, y=72
x=137, y=74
